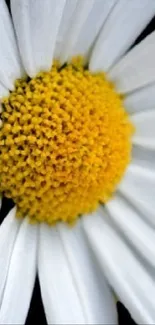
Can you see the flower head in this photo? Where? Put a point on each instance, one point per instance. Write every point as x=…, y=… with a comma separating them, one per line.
x=77, y=138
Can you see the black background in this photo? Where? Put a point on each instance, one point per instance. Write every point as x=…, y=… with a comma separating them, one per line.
x=36, y=311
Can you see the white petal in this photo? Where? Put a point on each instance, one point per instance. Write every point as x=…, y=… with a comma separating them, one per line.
x=68, y=12
x=131, y=281
x=138, y=185
x=36, y=24
x=82, y=12
x=97, y=301
x=136, y=69
x=144, y=129
x=8, y=233
x=138, y=232
x=60, y=298
x=82, y=27
x=10, y=64
x=124, y=24
x=3, y=91
x=140, y=100
x=21, y=277
x=143, y=157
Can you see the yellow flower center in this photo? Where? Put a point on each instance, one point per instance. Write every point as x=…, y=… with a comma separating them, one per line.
x=65, y=143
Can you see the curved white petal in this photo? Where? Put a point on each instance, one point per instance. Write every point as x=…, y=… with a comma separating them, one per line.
x=124, y=24
x=138, y=232
x=140, y=100
x=136, y=69
x=98, y=304
x=130, y=279
x=144, y=129
x=80, y=26
x=60, y=297
x=8, y=233
x=21, y=276
x=138, y=186
x=36, y=24
x=10, y=64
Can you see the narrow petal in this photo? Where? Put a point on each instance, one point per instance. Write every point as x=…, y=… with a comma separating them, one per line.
x=130, y=279
x=138, y=186
x=124, y=24
x=36, y=24
x=78, y=32
x=21, y=277
x=97, y=301
x=60, y=297
x=10, y=64
x=8, y=233
x=130, y=222
x=145, y=129
x=140, y=100
x=136, y=69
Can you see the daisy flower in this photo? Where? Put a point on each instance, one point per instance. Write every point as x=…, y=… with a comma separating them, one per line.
x=77, y=143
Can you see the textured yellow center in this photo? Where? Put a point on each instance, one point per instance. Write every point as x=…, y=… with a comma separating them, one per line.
x=64, y=144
